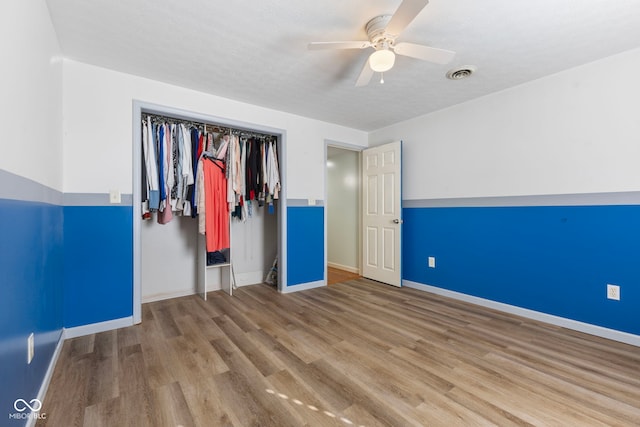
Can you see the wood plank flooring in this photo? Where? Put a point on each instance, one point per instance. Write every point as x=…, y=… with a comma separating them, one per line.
x=336, y=275
x=354, y=354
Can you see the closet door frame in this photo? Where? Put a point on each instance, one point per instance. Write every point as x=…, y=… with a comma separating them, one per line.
x=140, y=107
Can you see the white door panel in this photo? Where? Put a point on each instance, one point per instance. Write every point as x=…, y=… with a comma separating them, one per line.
x=372, y=247
x=372, y=193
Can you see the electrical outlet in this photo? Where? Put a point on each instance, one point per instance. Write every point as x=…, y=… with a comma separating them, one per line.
x=115, y=196
x=431, y=261
x=613, y=292
x=30, y=348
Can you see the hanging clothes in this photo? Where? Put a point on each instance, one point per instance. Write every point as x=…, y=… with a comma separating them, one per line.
x=221, y=152
x=217, y=212
x=197, y=148
x=184, y=169
x=172, y=176
x=233, y=164
x=263, y=177
x=253, y=169
x=273, y=172
x=175, y=176
x=273, y=177
x=243, y=181
x=150, y=166
x=202, y=206
x=165, y=214
x=159, y=141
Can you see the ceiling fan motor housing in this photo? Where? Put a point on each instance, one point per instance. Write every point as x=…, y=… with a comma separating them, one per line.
x=375, y=31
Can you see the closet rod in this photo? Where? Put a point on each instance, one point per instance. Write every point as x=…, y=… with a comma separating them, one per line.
x=171, y=119
x=210, y=126
x=250, y=134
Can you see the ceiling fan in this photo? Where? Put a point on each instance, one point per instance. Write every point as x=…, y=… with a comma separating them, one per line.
x=382, y=32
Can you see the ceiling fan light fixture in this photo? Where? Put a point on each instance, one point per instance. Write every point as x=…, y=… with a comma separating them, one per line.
x=382, y=60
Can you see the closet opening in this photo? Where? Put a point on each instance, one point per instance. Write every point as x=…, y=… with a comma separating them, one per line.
x=170, y=257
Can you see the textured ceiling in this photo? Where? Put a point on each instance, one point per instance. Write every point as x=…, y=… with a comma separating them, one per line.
x=256, y=51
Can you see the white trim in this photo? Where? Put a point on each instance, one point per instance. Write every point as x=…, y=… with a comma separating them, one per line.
x=31, y=421
x=304, y=286
x=348, y=268
x=168, y=295
x=95, y=328
x=579, y=199
x=136, y=129
x=575, y=325
x=282, y=217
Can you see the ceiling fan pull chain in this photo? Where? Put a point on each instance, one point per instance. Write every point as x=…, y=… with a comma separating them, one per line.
x=381, y=78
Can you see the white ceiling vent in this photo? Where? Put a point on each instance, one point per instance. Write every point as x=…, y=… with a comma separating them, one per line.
x=461, y=72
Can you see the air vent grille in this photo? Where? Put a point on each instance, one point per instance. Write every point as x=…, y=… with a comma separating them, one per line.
x=461, y=72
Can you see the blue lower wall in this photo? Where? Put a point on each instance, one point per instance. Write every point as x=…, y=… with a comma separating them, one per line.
x=31, y=258
x=305, y=244
x=59, y=267
x=98, y=264
x=552, y=259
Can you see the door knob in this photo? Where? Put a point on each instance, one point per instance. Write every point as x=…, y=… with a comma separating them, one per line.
x=397, y=221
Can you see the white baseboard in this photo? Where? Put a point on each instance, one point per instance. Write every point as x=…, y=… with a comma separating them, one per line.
x=31, y=421
x=95, y=328
x=169, y=295
x=69, y=333
x=355, y=270
x=242, y=279
x=304, y=286
x=575, y=325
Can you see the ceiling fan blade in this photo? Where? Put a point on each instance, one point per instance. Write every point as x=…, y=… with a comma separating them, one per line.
x=365, y=75
x=427, y=53
x=338, y=45
x=407, y=11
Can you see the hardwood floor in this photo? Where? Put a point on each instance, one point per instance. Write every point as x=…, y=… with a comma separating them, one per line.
x=336, y=275
x=353, y=354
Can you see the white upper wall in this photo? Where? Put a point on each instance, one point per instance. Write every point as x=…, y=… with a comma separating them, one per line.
x=577, y=131
x=98, y=153
x=31, y=87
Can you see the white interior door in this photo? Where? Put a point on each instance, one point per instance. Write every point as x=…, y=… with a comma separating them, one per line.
x=382, y=219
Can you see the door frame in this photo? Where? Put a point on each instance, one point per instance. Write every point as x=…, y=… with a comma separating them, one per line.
x=349, y=147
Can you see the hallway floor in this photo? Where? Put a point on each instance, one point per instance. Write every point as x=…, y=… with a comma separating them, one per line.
x=335, y=275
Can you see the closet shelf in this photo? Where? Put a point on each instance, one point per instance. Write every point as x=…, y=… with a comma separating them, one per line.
x=227, y=278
